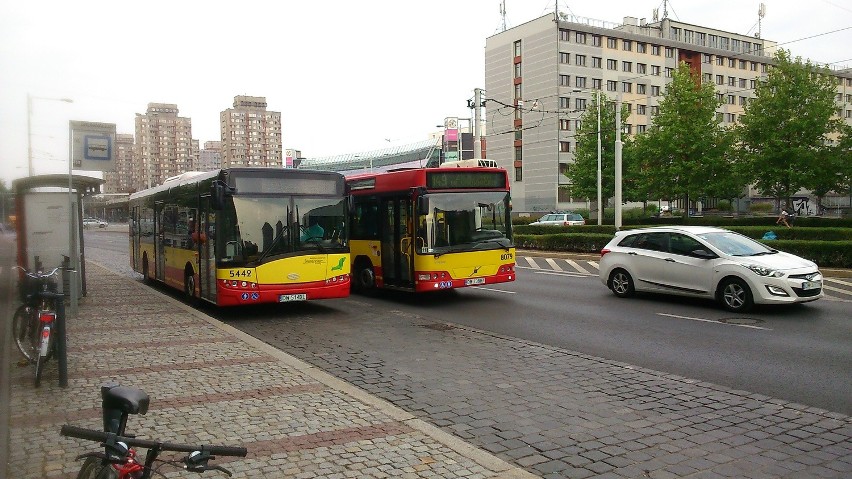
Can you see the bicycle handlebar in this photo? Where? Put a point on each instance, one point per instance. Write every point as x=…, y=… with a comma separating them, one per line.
x=101, y=436
x=40, y=275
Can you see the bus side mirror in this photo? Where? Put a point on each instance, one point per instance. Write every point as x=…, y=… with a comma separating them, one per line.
x=217, y=195
x=422, y=205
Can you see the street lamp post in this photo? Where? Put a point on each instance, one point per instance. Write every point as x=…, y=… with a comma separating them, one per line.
x=30, y=99
x=600, y=193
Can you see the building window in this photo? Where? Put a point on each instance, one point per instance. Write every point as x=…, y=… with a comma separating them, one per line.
x=655, y=90
x=564, y=103
x=743, y=100
x=732, y=62
x=519, y=133
x=735, y=45
x=754, y=66
x=580, y=82
x=720, y=97
x=641, y=47
x=564, y=146
x=627, y=45
x=732, y=81
x=565, y=125
x=611, y=42
x=611, y=85
x=670, y=52
x=580, y=38
x=596, y=83
x=732, y=100
x=702, y=39
x=752, y=84
x=626, y=87
x=641, y=68
x=641, y=128
x=707, y=78
x=564, y=58
x=517, y=47
x=720, y=61
x=596, y=62
x=519, y=154
x=580, y=103
x=713, y=41
x=688, y=36
x=669, y=72
x=612, y=64
x=641, y=88
x=564, y=80
x=720, y=79
x=743, y=82
x=655, y=50
x=706, y=58
x=564, y=35
x=580, y=60
x=742, y=64
x=655, y=110
x=518, y=91
x=730, y=117
x=519, y=173
x=723, y=43
x=627, y=66
x=517, y=70
x=655, y=70
x=640, y=109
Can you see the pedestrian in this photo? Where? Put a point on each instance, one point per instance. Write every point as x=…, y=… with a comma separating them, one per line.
x=784, y=218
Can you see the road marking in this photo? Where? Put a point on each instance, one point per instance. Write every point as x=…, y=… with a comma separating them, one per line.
x=835, y=280
x=564, y=273
x=594, y=264
x=532, y=262
x=495, y=290
x=836, y=290
x=576, y=266
x=712, y=321
x=552, y=263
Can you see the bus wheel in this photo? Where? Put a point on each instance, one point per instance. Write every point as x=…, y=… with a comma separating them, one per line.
x=365, y=278
x=189, y=284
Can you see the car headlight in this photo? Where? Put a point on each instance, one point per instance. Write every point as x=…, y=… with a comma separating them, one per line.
x=763, y=271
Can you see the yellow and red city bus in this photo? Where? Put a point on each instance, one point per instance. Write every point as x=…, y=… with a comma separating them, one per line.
x=243, y=236
x=429, y=229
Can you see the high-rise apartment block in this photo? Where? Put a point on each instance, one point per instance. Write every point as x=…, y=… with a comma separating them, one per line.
x=548, y=72
x=120, y=179
x=164, y=145
x=210, y=157
x=251, y=134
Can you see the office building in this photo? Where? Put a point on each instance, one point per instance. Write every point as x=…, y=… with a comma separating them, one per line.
x=163, y=146
x=542, y=75
x=251, y=134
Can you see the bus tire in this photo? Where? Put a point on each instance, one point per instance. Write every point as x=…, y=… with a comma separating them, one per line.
x=189, y=283
x=365, y=277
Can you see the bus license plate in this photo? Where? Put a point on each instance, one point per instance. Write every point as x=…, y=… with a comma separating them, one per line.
x=806, y=285
x=285, y=298
x=471, y=281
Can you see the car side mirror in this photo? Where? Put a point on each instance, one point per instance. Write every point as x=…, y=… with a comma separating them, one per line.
x=703, y=254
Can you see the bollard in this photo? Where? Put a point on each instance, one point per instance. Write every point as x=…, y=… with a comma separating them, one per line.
x=61, y=341
x=66, y=277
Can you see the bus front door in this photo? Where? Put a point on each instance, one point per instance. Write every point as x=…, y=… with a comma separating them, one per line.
x=159, y=242
x=207, y=259
x=397, y=244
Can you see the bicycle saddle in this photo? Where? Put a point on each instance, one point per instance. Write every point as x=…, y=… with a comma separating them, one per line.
x=125, y=399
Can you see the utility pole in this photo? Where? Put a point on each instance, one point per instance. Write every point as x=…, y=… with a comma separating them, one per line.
x=600, y=193
x=618, y=162
x=477, y=131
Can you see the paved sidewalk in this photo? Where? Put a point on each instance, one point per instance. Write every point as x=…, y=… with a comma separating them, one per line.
x=212, y=384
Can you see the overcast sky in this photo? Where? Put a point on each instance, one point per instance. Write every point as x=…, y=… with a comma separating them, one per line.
x=347, y=76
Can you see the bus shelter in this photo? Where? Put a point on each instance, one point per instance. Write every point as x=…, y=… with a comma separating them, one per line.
x=43, y=211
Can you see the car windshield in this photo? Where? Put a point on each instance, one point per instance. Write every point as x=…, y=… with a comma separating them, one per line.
x=735, y=244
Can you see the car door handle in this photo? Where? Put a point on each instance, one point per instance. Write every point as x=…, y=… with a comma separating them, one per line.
x=670, y=260
x=632, y=253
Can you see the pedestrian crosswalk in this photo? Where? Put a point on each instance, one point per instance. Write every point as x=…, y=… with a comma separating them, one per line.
x=835, y=288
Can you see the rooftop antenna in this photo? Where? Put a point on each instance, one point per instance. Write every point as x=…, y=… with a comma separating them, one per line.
x=665, y=9
x=655, y=15
x=503, y=13
x=761, y=12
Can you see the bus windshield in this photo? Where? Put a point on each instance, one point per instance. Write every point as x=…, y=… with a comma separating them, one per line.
x=464, y=222
x=254, y=229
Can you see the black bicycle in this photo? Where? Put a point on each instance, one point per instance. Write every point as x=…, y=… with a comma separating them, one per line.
x=119, y=459
x=35, y=321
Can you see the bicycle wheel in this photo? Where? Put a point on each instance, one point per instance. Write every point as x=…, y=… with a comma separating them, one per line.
x=93, y=468
x=44, y=352
x=25, y=331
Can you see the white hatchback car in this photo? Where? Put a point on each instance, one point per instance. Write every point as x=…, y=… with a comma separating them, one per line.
x=560, y=219
x=707, y=262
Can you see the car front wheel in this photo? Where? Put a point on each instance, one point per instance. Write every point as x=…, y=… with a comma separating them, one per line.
x=735, y=295
x=621, y=283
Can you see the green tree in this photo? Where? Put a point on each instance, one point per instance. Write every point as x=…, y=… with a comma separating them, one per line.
x=684, y=154
x=583, y=174
x=783, y=133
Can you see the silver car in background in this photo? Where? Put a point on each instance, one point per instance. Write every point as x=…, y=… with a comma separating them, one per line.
x=707, y=262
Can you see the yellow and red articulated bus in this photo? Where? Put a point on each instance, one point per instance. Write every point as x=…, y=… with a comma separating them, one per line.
x=430, y=229
x=243, y=236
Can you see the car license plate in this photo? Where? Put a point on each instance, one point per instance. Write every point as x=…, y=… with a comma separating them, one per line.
x=471, y=281
x=806, y=285
x=285, y=298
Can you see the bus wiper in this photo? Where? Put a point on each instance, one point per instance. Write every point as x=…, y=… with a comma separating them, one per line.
x=273, y=245
x=503, y=242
